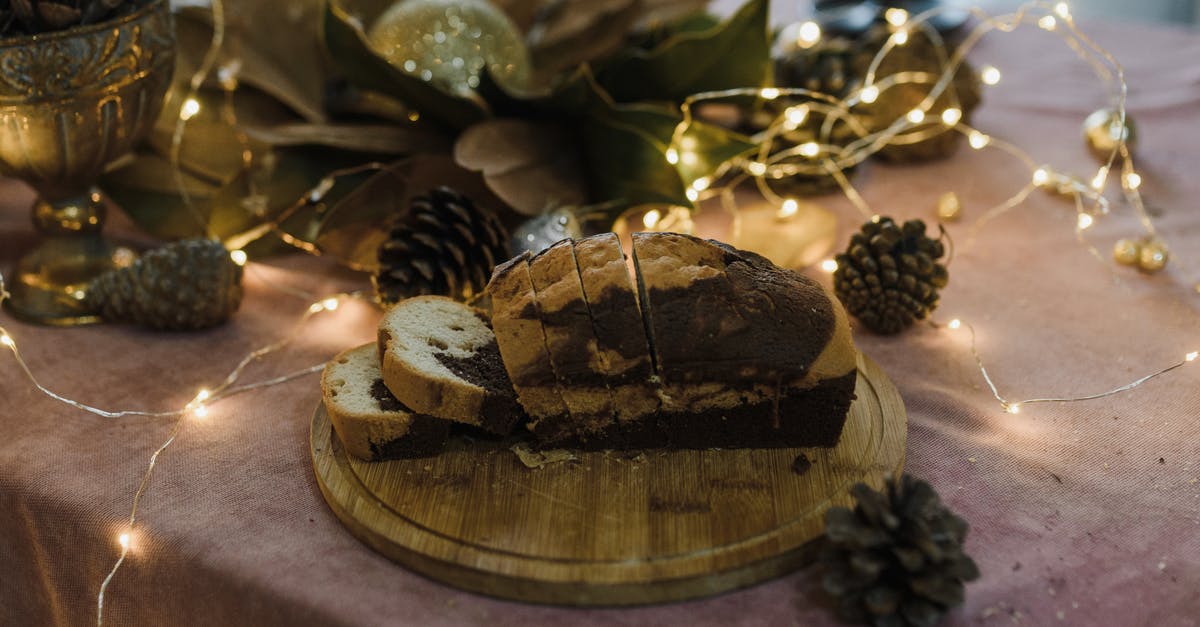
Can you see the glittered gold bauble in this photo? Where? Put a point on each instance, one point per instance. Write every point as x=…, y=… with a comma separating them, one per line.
x=1103, y=131
x=1153, y=256
x=949, y=207
x=1127, y=252
x=452, y=42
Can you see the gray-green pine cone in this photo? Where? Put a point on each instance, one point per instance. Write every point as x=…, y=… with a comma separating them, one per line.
x=190, y=284
x=897, y=557
x=444, y=244
x=890, y=275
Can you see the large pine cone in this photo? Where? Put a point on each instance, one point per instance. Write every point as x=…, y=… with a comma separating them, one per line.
x=444, y=245
x=190, y=284
x=889, y=276
x=897, y=557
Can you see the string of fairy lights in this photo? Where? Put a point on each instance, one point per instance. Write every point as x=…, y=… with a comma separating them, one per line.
x=761, y=166
x=822, y=157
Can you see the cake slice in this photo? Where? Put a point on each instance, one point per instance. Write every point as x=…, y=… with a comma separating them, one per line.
x=571, y=344
x=440, y=357
x=621, y=353
x=522, y=343
x=735, y=341
x=368, y=419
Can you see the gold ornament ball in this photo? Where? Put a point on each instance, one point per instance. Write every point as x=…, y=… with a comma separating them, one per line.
x=949, y=207
x=1153, y=257
x=1103, y=131
x=1127, y=252
x=452, y=42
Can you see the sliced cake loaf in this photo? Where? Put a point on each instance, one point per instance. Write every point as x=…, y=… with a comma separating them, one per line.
x=522, y=343
x=571, y=342
x=368, y=419
x=735, y=341
x=621, y=353
x=440, y=357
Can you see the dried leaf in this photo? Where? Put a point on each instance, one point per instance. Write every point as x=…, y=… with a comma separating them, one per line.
x=530, y=165
x=540, y=459
x=382, y=139
x=566, y=34
x=735, y=53
x=58, y=16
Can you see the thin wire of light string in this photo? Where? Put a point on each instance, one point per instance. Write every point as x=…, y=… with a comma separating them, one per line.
x=197, y=81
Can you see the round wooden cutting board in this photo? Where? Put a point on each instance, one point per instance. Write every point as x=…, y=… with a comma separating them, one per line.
x=609, y=528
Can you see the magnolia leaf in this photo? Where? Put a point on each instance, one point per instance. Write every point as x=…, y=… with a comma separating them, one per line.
x=735, y=53
x=568, y=33
x=273, y=45
x=353, y=228
x=656, y=12
x=382, y=139
x=347, y=45
x=146, y=188
x=530, y=165
x=705, y=147
x=624, y=148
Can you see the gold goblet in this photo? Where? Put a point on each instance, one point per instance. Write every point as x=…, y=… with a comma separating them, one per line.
x=71, y=102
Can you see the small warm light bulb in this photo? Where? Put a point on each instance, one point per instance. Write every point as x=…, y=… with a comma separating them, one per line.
x=789, y=207
x=796, y=115
x=896, y=17
x=916, y=116
x=900, y=37
x=330, y=304
x=808, y=35
x=810, y=149
x=1133, y=180
x=757, y=168
x=238, y=256
x=650, y=220
x=1085, y=220
x=1047, y=23
x=989, y=75
x=1191, y=356
x=769, y=93
x=1041, y=177
x=955, y=324
x=977, y=140
x=1062, y=10
x=190, y=108
x=829, y=265
x=672, y=156
x=413, y=116
x=316, y=308
x=869, y=94
x=203, y=395
x=7, y=341
x=701, y=183
x=200, y=411
x=1101, y=177
x=1014, y=408
x=123, y=540
x=692, y=194
x=951, y=116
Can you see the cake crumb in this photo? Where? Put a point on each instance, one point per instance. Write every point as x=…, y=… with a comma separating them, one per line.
x=801, y=464
x=540, y=459
x=1162, y=566
x=1061, y=615
x=971, y=459
x=1162, y=460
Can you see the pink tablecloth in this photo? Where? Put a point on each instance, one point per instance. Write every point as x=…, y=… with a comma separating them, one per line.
x=1082, y=514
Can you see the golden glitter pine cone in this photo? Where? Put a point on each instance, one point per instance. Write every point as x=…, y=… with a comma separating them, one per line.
x=890, y=275
x=444, y=244
x=190, y=284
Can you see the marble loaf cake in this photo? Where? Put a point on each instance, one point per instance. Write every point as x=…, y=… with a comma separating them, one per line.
x=705, y=346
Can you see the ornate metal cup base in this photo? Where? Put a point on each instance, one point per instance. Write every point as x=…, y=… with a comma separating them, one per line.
x=50, y=283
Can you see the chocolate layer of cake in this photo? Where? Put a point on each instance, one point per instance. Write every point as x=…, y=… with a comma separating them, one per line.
x=719, y=314
x=522, y=342
x=571, y=342
x=425, y=437
x=500, y=412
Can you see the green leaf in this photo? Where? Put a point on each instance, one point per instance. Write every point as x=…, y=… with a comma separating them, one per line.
x=735, y=53
x=624, y=151
x=348, y=47
x=712, y=146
